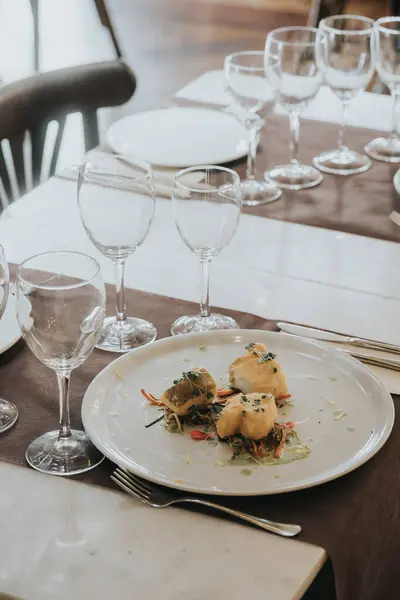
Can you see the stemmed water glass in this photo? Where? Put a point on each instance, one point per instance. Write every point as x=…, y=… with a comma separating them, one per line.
x=245, y=81
x=345, y=57
x=291, y=70
x=116, y=200
x=387, y=48
x=206, y=215
x=60, y=304
x=8, y=410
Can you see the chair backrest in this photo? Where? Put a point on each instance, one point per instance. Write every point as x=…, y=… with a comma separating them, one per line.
x=28, y=106
x=320, y=9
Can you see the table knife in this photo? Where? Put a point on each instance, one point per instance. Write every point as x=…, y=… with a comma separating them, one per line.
x=337, y=338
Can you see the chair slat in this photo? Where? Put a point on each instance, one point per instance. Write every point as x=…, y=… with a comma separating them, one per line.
x=4, y=175
x=57, y=145
x=38, y=139
x=17, y=151
x=90, y=129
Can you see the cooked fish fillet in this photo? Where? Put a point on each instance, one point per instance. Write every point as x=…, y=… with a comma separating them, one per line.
x=258, y=371
x=251, y=415
x=192, y=388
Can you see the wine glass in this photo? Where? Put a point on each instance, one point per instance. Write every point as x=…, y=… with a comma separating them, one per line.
x=206, y=215
x=116, y=200
x=345, y=57
x=246, y=83
x=8, y=410
x=60, y=304
x=291, y=70
x=387, y=48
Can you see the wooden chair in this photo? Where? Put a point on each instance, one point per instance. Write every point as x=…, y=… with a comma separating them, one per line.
x=324, y=8
x=28, y=106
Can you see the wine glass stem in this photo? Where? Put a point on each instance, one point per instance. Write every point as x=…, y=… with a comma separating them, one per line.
x=343, y=125
x=205, y=287
x=252, y=154
x=394, y=135
x=294, y=121
x=63, y=395
x=119, y=278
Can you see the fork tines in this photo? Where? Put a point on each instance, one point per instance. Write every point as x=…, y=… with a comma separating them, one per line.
x=131, y=484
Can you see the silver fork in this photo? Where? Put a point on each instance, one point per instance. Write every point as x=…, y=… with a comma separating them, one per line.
x=160, y=497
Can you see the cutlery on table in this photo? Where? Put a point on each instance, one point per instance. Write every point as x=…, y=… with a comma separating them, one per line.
x=162, y=190
x=337, y=338
x=158, y=497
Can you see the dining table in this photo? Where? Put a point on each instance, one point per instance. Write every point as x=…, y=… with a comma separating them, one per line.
x=63, y=538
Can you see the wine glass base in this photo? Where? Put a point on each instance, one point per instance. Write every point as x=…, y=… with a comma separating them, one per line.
x=256, y=192
x=384, y=149
x=294, y=176
x=69, y=457
x=197, y=323
x=8, y=415
x=125, y=336
x=342, y=162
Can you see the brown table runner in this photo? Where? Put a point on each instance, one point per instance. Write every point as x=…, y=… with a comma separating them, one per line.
x=356, y=204
x=355, y=518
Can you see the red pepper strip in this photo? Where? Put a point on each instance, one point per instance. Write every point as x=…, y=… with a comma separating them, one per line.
x=225, y=392
x=200, y=436
x=152, y=399
x=284, y=397
x=290, y=424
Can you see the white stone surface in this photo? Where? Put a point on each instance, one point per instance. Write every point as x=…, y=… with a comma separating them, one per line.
x=62, y=539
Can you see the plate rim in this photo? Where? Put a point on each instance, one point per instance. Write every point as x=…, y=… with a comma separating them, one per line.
x=383, y=437
x=173, y=164
x=17, y=337
x=396, y=181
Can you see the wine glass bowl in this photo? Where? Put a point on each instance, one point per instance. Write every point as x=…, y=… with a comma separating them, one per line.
x=290, y=67
x=387, y=49
x=246, y=83
x=60, y=304
x=117, y=200
x=8, y=410
x=206, y=216
x=345, y=57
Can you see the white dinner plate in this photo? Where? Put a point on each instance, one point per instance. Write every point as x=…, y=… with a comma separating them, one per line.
x=10, y=332
x=180, y=137
x=396, y=181
x=324, y=384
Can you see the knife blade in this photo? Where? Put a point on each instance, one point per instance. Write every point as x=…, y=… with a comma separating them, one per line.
x=337, y=338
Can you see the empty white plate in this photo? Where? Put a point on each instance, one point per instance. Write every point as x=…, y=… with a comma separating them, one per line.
x=180, y=137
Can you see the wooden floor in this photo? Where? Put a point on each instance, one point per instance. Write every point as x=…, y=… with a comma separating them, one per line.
x=368, y=8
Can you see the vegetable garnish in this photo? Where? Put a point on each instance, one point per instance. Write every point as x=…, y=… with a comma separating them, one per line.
x=225, y=392
x=262, y=356
x=200, y=436
x=339, y=414
x=118, y=374
x=203, y=347
x=281, y=445
x=152, y=399
x=283, y=397
x=155, y=421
